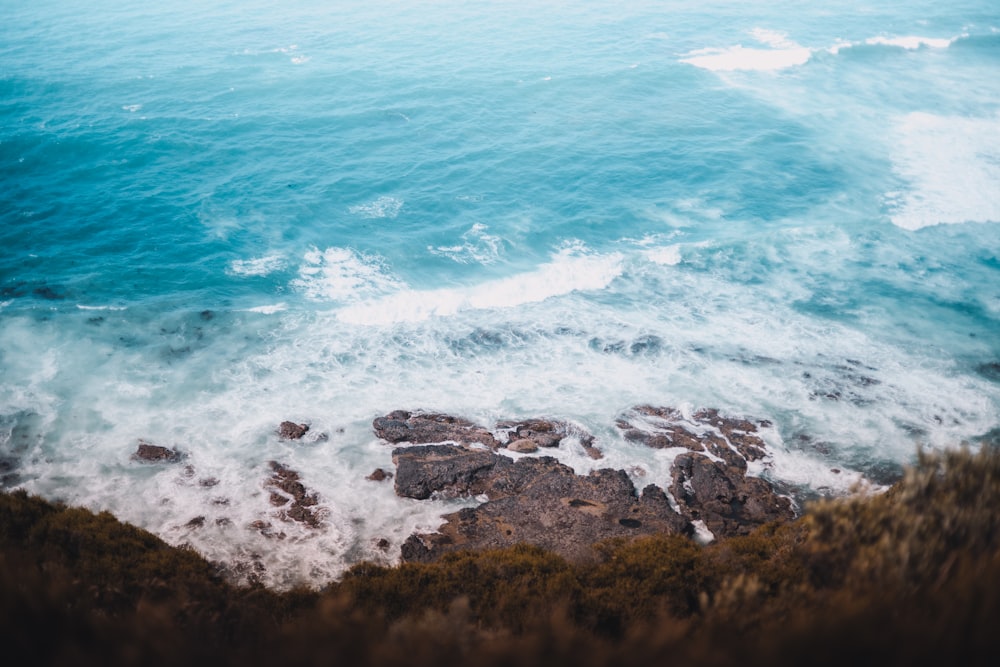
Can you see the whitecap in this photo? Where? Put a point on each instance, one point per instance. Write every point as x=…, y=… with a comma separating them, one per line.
x=783, y=53
x=268, y=310
x=257, y=266
x=131, y=108
x=952, y=167
x=342, y=274
x=567, y=272
x=82, y=307
x=383, y=207
x=739, y=58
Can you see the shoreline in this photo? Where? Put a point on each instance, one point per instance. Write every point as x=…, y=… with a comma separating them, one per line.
x=905, y=577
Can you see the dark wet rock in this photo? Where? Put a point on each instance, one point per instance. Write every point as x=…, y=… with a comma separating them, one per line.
x=424, y=428
x=723, y=497
x=196, y=522
x=536, y=500
x=542, y=432
x=446, y=470
x=206, y=315
x=292, y=431
x=208, y=482
x=587, y=442
x=223, y=522
x=148, y=453
x=379, y=475
x=382, y=544
x=732, y=439
x=710, y=481
x=289, y=493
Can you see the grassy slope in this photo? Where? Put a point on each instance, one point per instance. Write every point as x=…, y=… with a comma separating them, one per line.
x=909, y=577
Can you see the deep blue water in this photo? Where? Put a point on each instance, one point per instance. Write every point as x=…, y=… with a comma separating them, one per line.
x=214, y=218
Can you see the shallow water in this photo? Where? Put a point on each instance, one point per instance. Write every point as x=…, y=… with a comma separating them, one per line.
x=217, y=218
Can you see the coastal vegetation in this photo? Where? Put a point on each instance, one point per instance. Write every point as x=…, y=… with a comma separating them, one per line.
x=911, y=576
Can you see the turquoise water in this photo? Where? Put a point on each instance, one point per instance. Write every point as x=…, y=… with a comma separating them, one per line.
x=215, y=218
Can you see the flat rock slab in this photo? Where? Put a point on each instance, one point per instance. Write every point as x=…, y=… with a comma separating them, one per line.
x=536, y=500
x=423, y=428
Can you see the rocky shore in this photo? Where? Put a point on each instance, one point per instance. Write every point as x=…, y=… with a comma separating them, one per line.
x=909, y=577
x=539, y=501
x=526, y=494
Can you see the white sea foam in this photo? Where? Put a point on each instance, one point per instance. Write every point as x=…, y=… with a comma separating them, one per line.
x=668, y=256
x=383, y=207
x=257, y=266
x=342, y=274
x=131, y=108
x=951, y=165
x=568, y=272
x=269, y=309
x=782, y=54
x=739, y=58
x=477, y=247
x=83, y=307
x=912, y=43
x=702, y=535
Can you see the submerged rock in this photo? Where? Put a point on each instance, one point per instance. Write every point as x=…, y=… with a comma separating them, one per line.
x=288, y=492
x=424, y=428
x=147, y=453
x=536, y=500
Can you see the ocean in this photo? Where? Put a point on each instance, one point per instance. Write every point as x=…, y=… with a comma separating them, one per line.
x=218, y=216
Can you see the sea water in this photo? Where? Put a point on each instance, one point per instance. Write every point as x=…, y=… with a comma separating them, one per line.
x=218, y=216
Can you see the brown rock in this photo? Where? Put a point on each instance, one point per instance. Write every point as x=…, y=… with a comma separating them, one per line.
x=147, y=453
x=535, y=500
x=424, y=428
x=524, y=446
x=292, y=431
x=542, y=432
x=446, y=470
x=723, y=497
x=734, y=440
x=379, y=475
